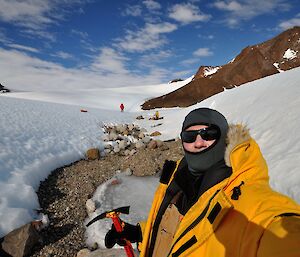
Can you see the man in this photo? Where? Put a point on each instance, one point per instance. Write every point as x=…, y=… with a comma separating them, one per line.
x=217, y=200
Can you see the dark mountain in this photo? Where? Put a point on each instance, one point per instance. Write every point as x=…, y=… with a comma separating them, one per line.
x=3, y=89
x=254, y=62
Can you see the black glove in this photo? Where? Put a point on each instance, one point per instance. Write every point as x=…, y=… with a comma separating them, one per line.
x=130, y=232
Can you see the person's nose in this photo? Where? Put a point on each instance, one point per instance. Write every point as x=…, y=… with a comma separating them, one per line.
x=199, y=142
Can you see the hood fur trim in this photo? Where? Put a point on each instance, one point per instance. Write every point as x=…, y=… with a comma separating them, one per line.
x=237, y=134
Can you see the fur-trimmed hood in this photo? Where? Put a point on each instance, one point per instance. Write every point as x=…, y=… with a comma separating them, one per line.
x=243, y=154
x=236, y=135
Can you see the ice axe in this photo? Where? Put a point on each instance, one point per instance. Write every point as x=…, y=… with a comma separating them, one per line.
x=114, y=215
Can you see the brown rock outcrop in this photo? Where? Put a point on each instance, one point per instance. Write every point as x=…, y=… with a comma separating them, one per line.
x=254, y=62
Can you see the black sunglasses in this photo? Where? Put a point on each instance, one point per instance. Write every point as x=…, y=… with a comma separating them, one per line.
x=207, y=134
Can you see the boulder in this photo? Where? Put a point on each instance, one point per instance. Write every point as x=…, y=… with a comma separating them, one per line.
x=130, y=127
x=113, y=136
x=140, y=117
x=84, y=253
x=155, y=133
x=127, y=152
x=19, y=242
x=105, y=137
x=128, y=172
x=93, y=154
x=122, y=144
x=159, y=143
x=116, y=148
x=132, y=152
x=141, y=135
x=139, y=144
x=146, y=139
x=152, y=144
x=90, y=206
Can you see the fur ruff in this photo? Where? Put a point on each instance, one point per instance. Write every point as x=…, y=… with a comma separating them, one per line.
x=237, y=134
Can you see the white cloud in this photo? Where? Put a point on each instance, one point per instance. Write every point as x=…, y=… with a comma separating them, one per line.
x=149, y=37
x=200, y=52
x=190, y=61
x=20, y=71
x=35, y=15
x=83, y=35
x=30, y=14
x=134, y=10
x=149, y=60
x=4, y=39
x=238, y=10
x=110, y=61
x=290, y=23
x=203, y=52
x=22, y=47
x=187, y=13
x=152, y=5
x=63, y=55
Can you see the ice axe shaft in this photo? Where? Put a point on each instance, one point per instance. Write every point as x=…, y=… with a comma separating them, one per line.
x=114, y=215
x=119, y=228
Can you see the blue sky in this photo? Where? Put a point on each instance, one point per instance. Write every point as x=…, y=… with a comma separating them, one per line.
x=118, y=43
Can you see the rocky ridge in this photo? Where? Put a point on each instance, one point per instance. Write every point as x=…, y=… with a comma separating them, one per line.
x=254, y=62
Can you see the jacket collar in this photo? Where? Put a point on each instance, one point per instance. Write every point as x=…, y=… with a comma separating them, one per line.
x=244, y=156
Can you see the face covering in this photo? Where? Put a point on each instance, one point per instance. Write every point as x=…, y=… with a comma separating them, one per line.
x=198, y=163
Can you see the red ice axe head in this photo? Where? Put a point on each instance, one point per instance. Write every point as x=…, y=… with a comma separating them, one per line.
x=114, y=215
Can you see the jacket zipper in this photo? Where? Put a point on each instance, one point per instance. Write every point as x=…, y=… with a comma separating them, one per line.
x=194, y=223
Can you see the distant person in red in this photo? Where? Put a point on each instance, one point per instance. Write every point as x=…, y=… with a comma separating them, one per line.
x=122, y=107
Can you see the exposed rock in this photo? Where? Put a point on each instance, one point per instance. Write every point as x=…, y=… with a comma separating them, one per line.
x=155, y=133
x=140, y=117
x=20, y=242
x=152, y=144
x=116, y=148
x=130, y=127
x=90, y=206
x=105, y=138
x=159, y=143
x=126, y=152
x=64, y=193
x=122, y=144
x=113, y=136
x=175, y=80
x=128, y=172
x=278, y=54
x=141, y=135
x=3, y=89
x=84, y=253
x=93, y=154
x=146, y=139
x=140, y=144
x=132, y=152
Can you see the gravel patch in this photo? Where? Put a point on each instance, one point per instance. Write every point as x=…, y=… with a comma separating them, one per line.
x=64, y=193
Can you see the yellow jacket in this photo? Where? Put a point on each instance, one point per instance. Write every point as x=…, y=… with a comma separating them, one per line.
x=260, y=223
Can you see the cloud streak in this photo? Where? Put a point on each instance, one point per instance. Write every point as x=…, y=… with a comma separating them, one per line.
x=35, y=16
x=19, y=71
x=239, y=10
x=290, y=23
x=147, y=38
x=187, y=13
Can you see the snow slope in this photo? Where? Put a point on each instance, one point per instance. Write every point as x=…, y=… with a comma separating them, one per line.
x=39, y=136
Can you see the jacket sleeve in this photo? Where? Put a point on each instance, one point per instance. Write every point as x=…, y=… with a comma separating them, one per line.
x=281, y=238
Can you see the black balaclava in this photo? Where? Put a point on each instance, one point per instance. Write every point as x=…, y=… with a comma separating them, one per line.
x=198, y=163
